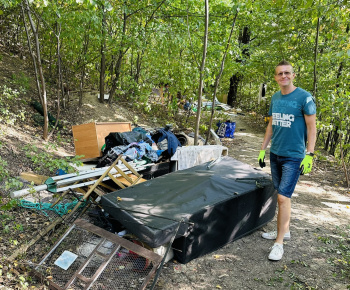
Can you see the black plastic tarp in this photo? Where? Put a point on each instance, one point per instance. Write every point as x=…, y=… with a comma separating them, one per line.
x=231, y=198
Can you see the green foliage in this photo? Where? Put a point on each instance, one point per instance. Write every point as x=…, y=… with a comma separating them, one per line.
x=3, y=171
x=149, y=45
x=46, y=161
x=9, y=96
x=9, y=205
x=21, y=80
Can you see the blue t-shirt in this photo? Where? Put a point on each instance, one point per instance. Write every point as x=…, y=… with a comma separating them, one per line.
x=289, y=132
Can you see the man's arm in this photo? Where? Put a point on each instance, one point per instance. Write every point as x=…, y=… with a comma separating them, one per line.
x=310, y=121
x=268, y=135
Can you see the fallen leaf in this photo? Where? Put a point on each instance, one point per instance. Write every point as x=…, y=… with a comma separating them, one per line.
x=217, y=256
x=218, y=286
x=177, y=269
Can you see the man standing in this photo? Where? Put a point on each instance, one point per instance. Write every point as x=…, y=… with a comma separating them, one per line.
x=292, y=131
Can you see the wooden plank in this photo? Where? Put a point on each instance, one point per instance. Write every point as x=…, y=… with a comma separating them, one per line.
x=108, y=187
x=133, y=177
x=116, y=181
x=37, y=179
x=89, y=138
x=85, y=140
x=121, y=172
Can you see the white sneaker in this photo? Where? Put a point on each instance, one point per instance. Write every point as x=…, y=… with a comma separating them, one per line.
x=273, y=235
x=276, y=252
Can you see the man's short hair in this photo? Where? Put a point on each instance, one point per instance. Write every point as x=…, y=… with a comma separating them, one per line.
x=284, y=62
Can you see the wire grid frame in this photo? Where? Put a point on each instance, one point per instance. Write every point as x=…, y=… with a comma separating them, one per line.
x=103, y=261
x=48, y=240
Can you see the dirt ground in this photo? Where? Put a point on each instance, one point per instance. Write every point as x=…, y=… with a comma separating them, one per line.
x=320, y=214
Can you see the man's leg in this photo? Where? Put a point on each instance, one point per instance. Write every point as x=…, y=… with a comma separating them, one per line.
x=283, y=217
x=285, y=174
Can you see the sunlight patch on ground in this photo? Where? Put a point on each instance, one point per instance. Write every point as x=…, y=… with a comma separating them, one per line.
x=314, y=218
x=337, y=206
x=90, y=106
x=245, y=134
x=330, y=214
x=120, y=117
x=229, y=257
x=106, y=119
x=61, y=152
x=309, y=188
x=325, y=191
x=37, y=142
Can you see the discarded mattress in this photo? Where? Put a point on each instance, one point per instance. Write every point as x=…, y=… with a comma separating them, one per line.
x=217, y=205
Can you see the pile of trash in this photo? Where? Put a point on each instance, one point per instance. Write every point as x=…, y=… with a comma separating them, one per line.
x=147, y=146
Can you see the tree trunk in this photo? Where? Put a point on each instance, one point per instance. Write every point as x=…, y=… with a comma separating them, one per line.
x=138, y=67
x=118, y=65
x=83, y=60
x=232, y=93
x=81, y=86
x=236, y=78
x=103, y=57
x=39, y=70
x=342, y=155
x=201, y=72
x=315, y=57
x=328, y=140
x=59, y=75
x=334, y=141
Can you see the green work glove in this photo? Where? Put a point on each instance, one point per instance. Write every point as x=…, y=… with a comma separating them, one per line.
x=306, y=165
x=261, y=158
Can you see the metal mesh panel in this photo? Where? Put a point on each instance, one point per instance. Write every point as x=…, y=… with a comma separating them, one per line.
x=102, y=261
x=79, y=242
x=129, y=269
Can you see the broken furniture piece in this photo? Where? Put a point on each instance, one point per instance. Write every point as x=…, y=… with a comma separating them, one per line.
x=64, y=182
x=221, y=206
x=89, y=138
x=88, y=257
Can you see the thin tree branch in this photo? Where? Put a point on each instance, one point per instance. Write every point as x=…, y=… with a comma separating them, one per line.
x=189, y=36
x=200, y=89
x=315, y=57
x=219, y=77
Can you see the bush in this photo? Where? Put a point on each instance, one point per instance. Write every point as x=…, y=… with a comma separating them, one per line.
x=9, y=97
x=47, y=163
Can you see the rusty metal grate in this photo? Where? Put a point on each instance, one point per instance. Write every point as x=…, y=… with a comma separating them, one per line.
x=102, y=261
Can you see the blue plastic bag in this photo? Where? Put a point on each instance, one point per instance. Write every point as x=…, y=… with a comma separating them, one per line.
x=226, y=130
